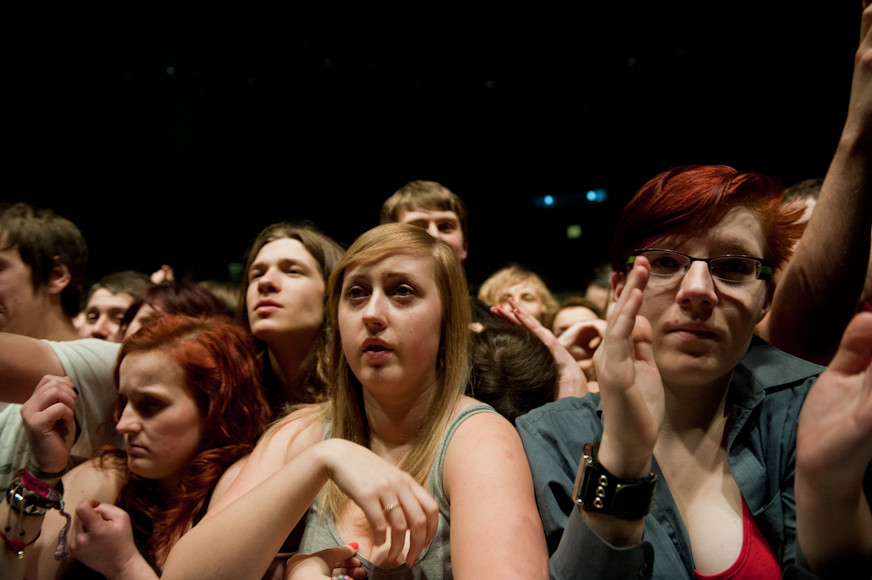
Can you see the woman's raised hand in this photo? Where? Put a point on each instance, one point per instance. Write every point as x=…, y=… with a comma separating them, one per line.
x=49, y=415
x=572, y=380
x=629, y=383
x=390, y=498
x=833, y=451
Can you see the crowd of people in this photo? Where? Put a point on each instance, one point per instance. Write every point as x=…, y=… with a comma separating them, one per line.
x=703, y=410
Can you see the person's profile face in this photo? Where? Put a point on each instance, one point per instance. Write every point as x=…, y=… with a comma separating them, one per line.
x=441, y=224
x=160, y=420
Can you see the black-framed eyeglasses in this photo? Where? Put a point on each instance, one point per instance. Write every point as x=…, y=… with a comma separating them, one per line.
x=729, y=268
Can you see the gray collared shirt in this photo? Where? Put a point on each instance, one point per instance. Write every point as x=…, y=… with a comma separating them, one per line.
x=766, y=393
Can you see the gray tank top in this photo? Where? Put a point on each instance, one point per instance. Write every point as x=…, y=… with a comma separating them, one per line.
x=435, y=561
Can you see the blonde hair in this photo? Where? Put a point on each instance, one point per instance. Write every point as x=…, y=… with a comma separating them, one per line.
x=497, y=283
x=344, y=411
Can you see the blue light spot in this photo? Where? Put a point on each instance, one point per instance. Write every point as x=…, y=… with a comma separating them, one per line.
x=548, y=200
x=598, y=195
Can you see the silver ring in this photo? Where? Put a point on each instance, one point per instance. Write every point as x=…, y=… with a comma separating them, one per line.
x=388, y=508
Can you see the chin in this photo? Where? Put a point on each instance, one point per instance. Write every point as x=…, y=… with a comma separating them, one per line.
x=688, y=370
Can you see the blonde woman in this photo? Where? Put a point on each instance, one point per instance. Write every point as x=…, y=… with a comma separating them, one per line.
x=421, y=481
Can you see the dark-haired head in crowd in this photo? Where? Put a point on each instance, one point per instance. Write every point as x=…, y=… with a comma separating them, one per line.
x=42, y=272
x=108, y=301
x=512, y=370
x=185, y=297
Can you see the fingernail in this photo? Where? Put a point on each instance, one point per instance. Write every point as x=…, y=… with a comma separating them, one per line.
x=353, y=545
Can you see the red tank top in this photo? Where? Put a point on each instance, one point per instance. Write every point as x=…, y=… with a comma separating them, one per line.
x=756, y=560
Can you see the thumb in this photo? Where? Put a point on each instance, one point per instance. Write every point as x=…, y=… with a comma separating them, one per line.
x=855, y=349
x=109, y=512
x=87, y=512
x=339, y=554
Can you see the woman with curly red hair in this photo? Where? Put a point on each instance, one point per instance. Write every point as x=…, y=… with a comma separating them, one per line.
x=190, y=404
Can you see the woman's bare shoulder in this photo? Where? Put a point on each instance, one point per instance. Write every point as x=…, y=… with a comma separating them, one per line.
x=296, y=431
x=481, y=434
x=284, y=440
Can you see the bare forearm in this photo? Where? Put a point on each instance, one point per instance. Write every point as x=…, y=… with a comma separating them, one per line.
x=819, y=291
x=834, y=531
x=137, y=570
x=241, y=540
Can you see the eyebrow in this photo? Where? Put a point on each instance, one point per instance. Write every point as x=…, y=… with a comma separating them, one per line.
x=391, y=276
x=724, y=248
x=284, y=261
x=111, y=310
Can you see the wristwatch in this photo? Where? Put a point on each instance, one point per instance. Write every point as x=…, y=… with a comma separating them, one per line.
x=598, y=491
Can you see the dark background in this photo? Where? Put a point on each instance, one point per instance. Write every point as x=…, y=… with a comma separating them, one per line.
x=172, y=133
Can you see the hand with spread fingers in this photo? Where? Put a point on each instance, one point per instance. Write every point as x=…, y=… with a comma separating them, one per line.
x=572, y=380
x=834, y=449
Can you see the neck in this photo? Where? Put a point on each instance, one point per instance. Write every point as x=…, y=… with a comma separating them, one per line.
x=55, y=326
x=695, y=416
x=290, y=360
x=394, y=423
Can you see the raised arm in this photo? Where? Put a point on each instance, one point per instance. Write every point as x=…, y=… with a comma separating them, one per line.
x=632, y=400
x=23, y=363
x=819, y=291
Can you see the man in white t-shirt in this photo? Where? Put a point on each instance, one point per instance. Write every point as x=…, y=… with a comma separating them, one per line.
x=42, y=260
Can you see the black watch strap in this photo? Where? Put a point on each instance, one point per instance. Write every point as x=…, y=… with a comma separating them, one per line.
x=598, y=491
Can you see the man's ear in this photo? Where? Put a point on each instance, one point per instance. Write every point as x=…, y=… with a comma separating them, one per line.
x=60, y=276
